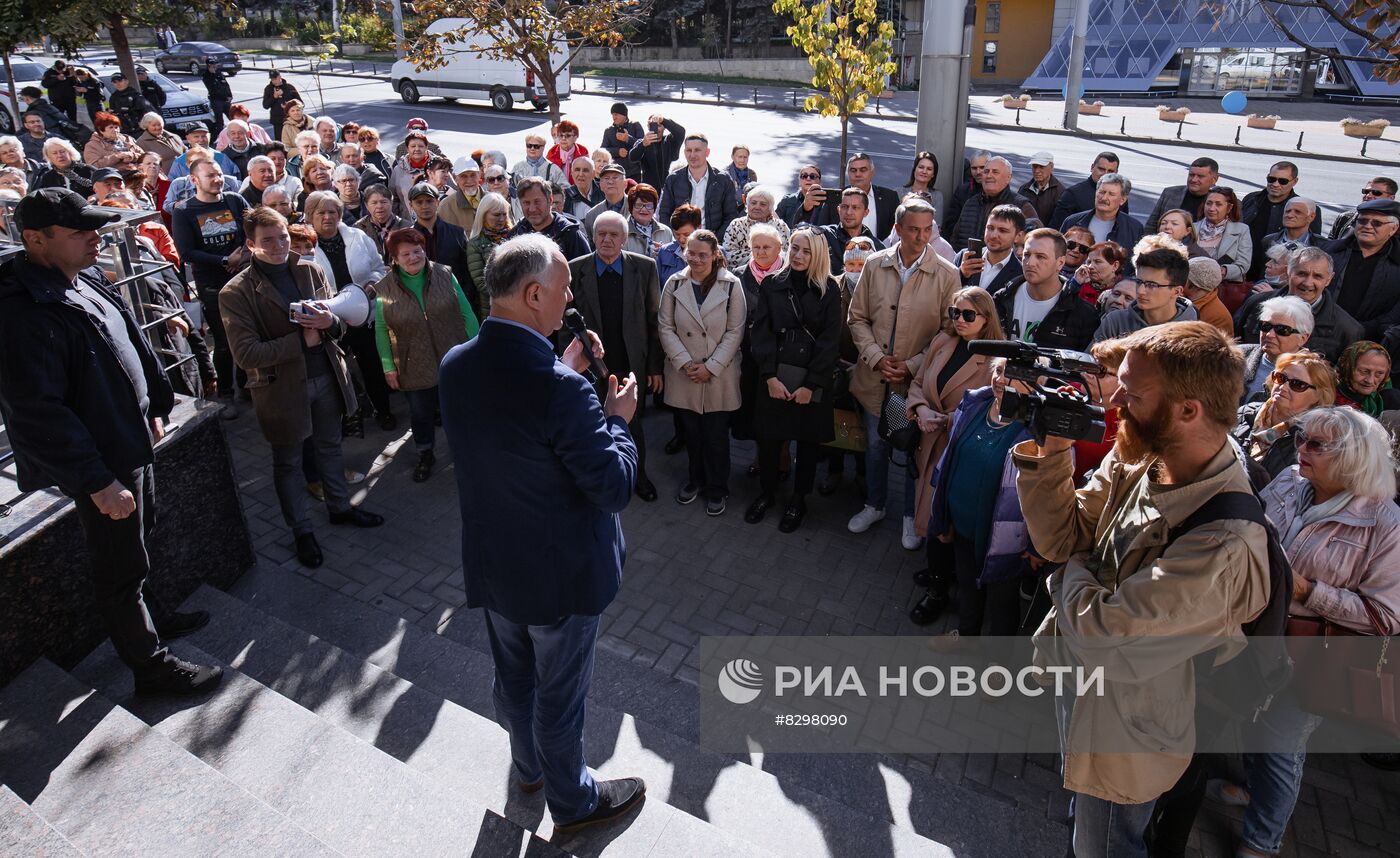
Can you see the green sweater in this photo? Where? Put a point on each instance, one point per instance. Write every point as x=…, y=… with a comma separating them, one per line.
x=414, y=283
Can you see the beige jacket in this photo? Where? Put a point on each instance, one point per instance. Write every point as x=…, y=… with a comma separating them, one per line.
x=922, y=303
x=1213, y=579
x=710, y=333
x=460, y=210
x=977, y=372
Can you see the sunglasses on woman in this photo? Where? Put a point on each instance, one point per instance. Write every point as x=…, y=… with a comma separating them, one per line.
x=1297, y=385
x=1275, y=328
x=1305, y=443
x=1076, y=247
x=968, y=316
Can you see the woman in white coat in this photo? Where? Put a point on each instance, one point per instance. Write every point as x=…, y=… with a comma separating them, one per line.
x=348, y=257
x=701, y=323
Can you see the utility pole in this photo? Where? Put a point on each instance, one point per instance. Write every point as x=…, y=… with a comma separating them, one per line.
x=944, y=73
x=398, y=29
x=1074, y=72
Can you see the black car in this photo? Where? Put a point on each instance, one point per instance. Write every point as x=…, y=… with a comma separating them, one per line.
x=192, y=57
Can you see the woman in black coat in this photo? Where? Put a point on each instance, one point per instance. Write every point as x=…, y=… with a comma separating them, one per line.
x=794, y=338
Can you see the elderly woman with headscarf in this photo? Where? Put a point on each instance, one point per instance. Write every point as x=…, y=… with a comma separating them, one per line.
x=759, y=204
x=1363, y=379
x=1202, y=290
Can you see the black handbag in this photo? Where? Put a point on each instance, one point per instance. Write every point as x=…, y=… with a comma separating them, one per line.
x=895, y=427
x=795, y=354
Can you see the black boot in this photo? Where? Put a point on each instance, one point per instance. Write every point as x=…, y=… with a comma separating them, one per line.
x=758, y=509
x=424, y=468
x=928, y=609
x=792, y=516
x=309, y=550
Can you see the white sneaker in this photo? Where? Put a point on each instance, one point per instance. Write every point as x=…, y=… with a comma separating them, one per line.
x=861, y=521
x=911, y=540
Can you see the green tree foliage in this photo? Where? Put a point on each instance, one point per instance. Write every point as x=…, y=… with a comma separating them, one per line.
x=849, y=50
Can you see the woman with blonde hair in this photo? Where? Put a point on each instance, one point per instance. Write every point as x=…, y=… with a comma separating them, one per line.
x=948, y=372
x=794, y=338
x=1267, y=430
x=492, y=226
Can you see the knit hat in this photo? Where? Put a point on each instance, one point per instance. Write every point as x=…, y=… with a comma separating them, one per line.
x=619, y=107
x=1205, y=273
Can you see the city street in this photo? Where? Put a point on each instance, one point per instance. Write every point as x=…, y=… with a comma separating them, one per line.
x=782, y=140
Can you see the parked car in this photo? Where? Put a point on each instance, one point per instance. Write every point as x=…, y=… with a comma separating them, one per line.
x=467, y=73
x=182, y=107
x=193, y=56
x=28, y=72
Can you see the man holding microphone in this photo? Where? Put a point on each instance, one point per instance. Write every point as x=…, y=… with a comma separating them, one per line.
x=542, y=545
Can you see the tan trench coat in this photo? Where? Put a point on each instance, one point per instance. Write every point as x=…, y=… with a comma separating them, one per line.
x=977, y=372
x=710, y=333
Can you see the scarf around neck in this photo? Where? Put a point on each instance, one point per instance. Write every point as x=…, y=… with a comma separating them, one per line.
x=760, y=274
x=1372, y=404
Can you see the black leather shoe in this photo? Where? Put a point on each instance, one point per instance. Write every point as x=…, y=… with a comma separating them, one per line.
x=180, y=679
x=646, y=490
x=357, y=517
x=674, y=446
x=615, y=798
x=309, y=551
x=178, y=624
x=928, y=609
x=828, y=485
x=792, y=517
x=424, y=468
x=387, y=421
x=923, y=578
x=353, y=425
x=758, y=509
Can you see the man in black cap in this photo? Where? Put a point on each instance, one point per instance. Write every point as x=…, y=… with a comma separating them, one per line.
x=275, y=97
x=220, y=94
x=1367, y=266
x=128, y=104
x=83, y=397
x=620, y=137
x=106, y=180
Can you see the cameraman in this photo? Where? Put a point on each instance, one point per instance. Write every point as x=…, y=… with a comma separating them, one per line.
x=1179, y=387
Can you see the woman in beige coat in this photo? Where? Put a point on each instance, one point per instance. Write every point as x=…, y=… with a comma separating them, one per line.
x=701, y=324
x=948, y=371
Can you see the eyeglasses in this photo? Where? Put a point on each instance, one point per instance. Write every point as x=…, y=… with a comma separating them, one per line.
x=968, y=316
x=811, y=177
x=644, y=207
x=1305, y=443
x=495, y=178
x=1372, y=192
x=1152, y=284
x=1278, y=180
x=1280, y=330
x=1373, y=222
x=1076, y=247
x=1297, y=385
x=534, y=145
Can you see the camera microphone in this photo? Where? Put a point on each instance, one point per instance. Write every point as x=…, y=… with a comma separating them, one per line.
x=573, y=320
x=1009, y=349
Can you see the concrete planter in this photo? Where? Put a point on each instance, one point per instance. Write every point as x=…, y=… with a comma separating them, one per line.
x=1264, y=123
x=1086, y=109
x=1016, y=103
x=1173, y=115
x=1363, y=131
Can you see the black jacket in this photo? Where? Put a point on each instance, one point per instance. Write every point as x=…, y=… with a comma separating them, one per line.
x=655, y=160
x=972, y=220
x=55, y=120
x=1011, y=271
x=129, y=105
x=622, y=152
x=1333, y=328
x=1380, y=308
x=1076, y=198
x=1070, y=324
x=1251, y=214
x=151, y=91
x=565, y=231
x=60, y=89
x=217, y=85
x=276, y=107
x=69, y=408
x=886, y=204
x=721, y=200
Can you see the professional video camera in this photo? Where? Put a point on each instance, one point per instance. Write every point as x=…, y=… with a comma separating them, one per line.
x=1062, y=411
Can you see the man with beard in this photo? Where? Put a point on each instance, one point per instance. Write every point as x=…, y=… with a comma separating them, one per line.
x=1123, y=580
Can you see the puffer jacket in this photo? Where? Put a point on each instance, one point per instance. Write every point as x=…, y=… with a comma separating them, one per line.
x=1122, y=322
x=1131, y=744
x=1354, y=550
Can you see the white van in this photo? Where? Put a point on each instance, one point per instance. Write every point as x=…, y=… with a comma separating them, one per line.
x=468, y=73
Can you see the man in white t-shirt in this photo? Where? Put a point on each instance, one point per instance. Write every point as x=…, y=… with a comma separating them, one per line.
x=1040, y=307
x=1041, y=291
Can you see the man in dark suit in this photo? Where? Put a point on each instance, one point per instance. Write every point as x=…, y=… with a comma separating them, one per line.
x=700, y=184
x=997, y=264
x=542, y=546
x=1201, y=176
x=1080, y=196
x=618, y=294
x=880, y=202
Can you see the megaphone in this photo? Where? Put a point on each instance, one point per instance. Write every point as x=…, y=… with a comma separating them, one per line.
x=350, y=305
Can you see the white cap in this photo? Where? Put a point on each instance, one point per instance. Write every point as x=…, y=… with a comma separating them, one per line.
x=465, y=165
x=1042, y=159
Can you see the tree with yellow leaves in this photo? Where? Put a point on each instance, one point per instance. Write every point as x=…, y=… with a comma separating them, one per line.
x=543, y=36
x=849, y=50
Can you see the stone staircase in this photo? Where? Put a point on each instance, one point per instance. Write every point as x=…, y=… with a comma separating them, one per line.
x=343, y=730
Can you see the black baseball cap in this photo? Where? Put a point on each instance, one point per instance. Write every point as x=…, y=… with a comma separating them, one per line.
x=61, y=207
x=197, y=125
x=1380, y=207
x=118, y=76
x=104, y=174
x=422, y=189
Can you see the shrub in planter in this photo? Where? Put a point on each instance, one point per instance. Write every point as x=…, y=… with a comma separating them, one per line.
x=1172, y=114
x=1359, y=128
x=1016, y=102
x=1087, y=109
x=1265, y=123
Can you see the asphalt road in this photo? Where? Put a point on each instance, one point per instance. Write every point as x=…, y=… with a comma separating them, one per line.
x=781, y=141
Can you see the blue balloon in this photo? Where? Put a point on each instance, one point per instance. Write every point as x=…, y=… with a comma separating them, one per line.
x=1234, y=102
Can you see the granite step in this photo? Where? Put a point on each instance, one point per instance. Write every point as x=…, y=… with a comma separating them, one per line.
x=114, y=787
x=465, y=755
x=24, y=832
x=344, y=791
x=641, y=721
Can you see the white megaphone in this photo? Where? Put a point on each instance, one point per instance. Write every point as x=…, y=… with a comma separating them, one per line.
x=350, y=305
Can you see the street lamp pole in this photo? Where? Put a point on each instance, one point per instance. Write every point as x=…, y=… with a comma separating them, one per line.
x=943, y=82
x=1074, y=72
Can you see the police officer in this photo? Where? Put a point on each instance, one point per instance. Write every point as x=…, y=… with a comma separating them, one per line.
x=83, y=397
x=220, y=94
x=128, y=104
x=150, y=90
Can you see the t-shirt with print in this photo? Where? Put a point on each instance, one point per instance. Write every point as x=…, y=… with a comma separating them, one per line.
x=205, y=233
x=1027, y=313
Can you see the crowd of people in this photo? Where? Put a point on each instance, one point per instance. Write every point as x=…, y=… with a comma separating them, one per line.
x=1241, y=349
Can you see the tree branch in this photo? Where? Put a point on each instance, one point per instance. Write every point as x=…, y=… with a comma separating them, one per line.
x=1333, y=53
x=1322, y=6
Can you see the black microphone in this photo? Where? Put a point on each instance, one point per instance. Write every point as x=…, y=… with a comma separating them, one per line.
x=1009, y=349
x=573, y=320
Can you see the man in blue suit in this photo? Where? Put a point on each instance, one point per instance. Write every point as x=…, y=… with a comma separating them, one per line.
x=545, y=470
